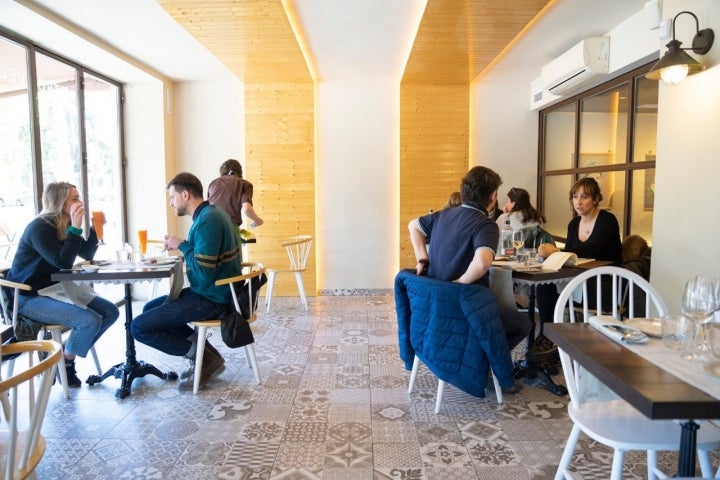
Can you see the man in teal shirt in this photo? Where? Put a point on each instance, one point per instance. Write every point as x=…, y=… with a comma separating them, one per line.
x=211, y=252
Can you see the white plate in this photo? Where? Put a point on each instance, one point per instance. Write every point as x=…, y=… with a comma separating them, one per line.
x=712, y=367
x=154, y=261
x=651, y=327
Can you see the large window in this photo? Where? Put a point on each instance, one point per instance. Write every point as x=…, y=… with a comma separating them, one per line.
x=608, y=133
x=58, y=122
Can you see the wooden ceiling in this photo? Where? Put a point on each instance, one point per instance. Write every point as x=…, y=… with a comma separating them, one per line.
x=253, y=38
x=456, y=40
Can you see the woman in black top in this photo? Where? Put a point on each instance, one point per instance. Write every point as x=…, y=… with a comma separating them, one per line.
x=593, y=233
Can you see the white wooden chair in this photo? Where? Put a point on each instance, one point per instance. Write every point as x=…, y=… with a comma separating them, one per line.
x=256, y=269
x=615, y=422
x=56, y=331
x=298, y=250
x=22, y=448
x=441, y=385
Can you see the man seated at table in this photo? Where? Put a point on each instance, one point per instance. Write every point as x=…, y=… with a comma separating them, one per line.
x=463, y=241
x=211, y=252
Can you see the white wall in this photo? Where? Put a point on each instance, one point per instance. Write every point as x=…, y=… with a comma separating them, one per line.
x=688, y=170
x=210, y=128
x=505, y=139
x=145, y=153
x=358, y=155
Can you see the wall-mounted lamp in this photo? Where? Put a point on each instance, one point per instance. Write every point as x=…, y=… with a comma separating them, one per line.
x=675, y=65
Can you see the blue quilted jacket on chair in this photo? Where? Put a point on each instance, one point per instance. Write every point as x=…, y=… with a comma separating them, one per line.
x=455, y=329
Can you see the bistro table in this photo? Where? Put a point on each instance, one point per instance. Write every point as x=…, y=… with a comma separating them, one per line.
x=647, y=386
x=127, y=274
x=533, y=278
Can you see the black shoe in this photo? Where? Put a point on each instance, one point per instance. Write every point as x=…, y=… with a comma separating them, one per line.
x=514, y=388
x=72, y=379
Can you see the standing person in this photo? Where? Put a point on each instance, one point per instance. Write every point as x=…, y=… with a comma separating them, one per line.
x=211, y=252
x=593, y=233
x=231, y=192
x=52, y=241
x=463, y=241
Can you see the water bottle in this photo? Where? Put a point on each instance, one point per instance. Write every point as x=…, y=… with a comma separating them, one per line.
x=506, y=235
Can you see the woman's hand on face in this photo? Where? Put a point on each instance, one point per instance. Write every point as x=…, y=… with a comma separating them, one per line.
x=77, y=213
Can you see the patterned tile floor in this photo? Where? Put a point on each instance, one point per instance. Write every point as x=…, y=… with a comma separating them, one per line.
x=332, y=405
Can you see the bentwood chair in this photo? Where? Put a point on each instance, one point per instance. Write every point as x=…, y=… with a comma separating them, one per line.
x=256, y=269
x=298, y=250
x=605, y=419
x=56, y=331
x=21, y=444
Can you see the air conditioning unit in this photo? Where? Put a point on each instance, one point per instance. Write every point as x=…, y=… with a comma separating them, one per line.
x=578, y=67
x=539, y=95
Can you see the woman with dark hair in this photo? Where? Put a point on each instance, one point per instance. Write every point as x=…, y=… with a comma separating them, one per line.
x=522, y=215
x=593, y=233
x=52, y=241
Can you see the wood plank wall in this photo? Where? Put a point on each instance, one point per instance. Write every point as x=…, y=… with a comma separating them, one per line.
x=255, y=40
x=434, y=142
x=279, y=131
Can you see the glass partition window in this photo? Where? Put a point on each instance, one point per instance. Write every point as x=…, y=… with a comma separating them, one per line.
x=614, y=131
x=58, y=122
x=17, y=198
x=58, y=115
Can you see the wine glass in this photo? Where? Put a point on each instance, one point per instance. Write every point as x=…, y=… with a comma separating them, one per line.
x=518, y=240
x=698, y=304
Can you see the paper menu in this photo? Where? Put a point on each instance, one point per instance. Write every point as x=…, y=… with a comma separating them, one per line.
x=556, y=260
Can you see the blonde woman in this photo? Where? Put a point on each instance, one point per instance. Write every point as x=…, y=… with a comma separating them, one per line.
x=52, y=241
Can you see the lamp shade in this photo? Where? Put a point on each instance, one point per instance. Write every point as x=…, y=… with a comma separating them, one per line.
x=675, y=57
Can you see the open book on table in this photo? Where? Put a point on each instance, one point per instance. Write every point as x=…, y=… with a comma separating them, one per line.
x=557, y=260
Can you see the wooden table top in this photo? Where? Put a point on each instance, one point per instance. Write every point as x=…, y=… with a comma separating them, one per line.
x=656, y=393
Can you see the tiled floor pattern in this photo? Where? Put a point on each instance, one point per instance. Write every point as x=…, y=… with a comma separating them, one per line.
x=332, y=405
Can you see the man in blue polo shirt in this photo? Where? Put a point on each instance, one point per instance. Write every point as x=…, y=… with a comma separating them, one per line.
x=463, y=241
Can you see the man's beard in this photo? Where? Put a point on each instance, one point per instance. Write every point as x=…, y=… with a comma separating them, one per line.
x=181, y=211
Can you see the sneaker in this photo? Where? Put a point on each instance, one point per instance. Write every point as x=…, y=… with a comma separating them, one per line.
x=212, y=365
x=72, y=378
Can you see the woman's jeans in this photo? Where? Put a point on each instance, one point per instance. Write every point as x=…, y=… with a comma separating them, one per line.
x=164, y=325
x=87, y=325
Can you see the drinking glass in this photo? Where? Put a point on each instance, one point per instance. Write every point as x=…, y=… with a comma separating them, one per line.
x=678, y=332
x=98, y=216
x=142, y=240
x=698, y=304
x=518, y=240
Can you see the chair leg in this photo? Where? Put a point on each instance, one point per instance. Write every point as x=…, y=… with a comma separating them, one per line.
x=301, y=289
x=498, y=388
x=57, y=336
x=413, y=374
x=199, y=353
x=651, y=464
x=269, y=291
x=617, y=464
x=438, y=398
x=95, y=360
x=567, y=453
x=705, y=466
x=252, y=361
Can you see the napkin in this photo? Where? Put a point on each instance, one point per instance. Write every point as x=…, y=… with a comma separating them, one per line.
x=613, y=328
